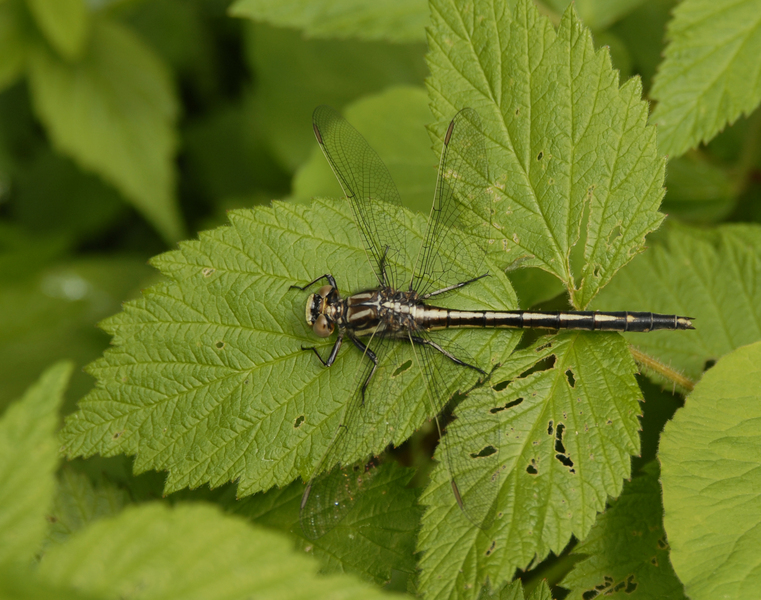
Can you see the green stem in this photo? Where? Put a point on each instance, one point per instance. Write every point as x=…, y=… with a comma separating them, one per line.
x=666, y=372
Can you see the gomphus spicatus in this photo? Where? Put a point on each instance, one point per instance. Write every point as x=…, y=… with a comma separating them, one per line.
x=397, y=309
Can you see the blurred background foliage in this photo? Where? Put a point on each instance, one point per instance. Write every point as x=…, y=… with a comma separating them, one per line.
x=128, y=125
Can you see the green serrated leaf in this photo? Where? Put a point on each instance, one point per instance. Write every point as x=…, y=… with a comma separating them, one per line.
x=208, y=379
x=711, y=73
x=567, y=432
x=376, y=538
x=65, y=24
x=577, y=163
x=626, y=550
x=401, y=21
x=191, y=551
x=393, y=122
x=28, y=459
x=79, y=503
x=711, y=480
x=113, y=112
x=295, y=75
x=709, y=275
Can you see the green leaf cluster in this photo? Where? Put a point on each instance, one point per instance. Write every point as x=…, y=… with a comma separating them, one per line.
x=96, y=550
x=624, y=147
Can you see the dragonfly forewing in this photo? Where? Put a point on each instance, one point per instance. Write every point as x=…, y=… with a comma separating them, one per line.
x=366, y=183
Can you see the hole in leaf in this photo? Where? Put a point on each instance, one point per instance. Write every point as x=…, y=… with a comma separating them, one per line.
x=631, y=585
x=497, y=409
x=488, y=451
x=615, y=233
x=550, y=427
x=491, y=548
x=561, y=455
x=708, y=364
x=208, y=271
x=566, y=462
x=546, y=364
x=501, y=386
x=590, y=594
x=298, y=422
x=559, y=447
x=597, y=271
x=531, y=470
x=540, y=156
x=402, y=368
x=219, y=345
x=569, y=376
x=517, y=110
x=118, y=434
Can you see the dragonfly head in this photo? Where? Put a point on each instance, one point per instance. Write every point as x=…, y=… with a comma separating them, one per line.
x=316, y=313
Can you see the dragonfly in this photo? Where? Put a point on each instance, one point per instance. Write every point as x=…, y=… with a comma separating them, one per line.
x=398, y=309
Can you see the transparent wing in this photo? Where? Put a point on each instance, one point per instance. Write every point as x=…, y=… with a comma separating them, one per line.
x=460, y=201
x=368, y=186
x=343, y=470
x=468, y=448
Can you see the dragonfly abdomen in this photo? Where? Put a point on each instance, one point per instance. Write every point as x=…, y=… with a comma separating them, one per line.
x=432, y=318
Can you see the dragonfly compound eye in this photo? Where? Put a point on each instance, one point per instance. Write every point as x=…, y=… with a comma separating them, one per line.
x=322, y=326
x=324, y=291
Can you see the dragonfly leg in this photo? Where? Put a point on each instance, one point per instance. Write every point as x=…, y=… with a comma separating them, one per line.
x=453, y=287
x=333, y=352
x=449, y=355
x=328, y=276
x=371, y=355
